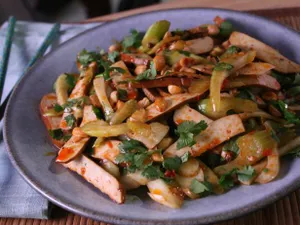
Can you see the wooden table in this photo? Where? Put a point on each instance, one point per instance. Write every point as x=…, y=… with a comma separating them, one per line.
x=285, y=211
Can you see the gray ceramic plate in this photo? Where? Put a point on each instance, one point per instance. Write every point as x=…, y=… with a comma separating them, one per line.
x=27, y=141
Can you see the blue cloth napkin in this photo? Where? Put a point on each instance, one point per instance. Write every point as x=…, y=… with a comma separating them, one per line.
x=17, y=198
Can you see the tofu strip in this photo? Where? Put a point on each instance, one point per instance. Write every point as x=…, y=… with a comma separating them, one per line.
x=97, y=176
x=216, y=133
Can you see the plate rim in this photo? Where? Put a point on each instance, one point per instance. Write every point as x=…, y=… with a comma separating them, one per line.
x=102, y=216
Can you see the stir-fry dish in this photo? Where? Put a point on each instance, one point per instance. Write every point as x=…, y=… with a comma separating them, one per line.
x=187, y=113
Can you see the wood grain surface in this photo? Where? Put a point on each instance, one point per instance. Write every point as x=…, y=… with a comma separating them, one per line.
x=284, y=212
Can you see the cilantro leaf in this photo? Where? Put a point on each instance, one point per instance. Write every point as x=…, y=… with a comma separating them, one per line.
x=233, y=49
x=172, y=163
x=71, y=120
x=274, y=136
x=191, y=127
x=112, y=56
x=186, y=53
x=203, y=188
x=76, y=102
x=226, y=180
x=58, y=108
x=185, y=139
x=186, y=132
x=85, y=58
x=223, y=66
x=232, y=146
x=265, y=170
x=98, y=112
x=246, y=173
x=139, y=159
x=289, y=116
x=185, y=157
x=226, y=28
x=230, y=51
x=133, y=40
x=117, y=69
x=152, y=172
x=56, y=134
x=132, y=146
x=71, y=81
x=66, y=137
x=134, y=154
x=122, y=94
x=106, y=68
x=149, y=74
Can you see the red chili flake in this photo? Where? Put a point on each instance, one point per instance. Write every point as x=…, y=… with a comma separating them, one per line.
x=110, y=145
x=267, y=152
x=82, y=171
x=132, y=94
x=225, y=82
x=170, y=173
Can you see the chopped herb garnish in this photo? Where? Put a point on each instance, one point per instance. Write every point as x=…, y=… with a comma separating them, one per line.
x=56, y=134
x=112, y=56
x=185, y=139
x=98, y=112
x=265, y=170
x=132, y=145
x=274, y=136
x=186, y=132
x=152, y=172
x=67, y=137
x=71, y=81
x=233, y=49
x=223, y=66
x=226, y=29
x=226, y=180
x=134, y=154
x=133, y=40
x=149, y=74
x=201, y=187
x=289, y=116
x=117, y=69
x=245, y=174
x=58, y=108
x=76, y=102
x=106, y=68
x=232, y=146
x=85, y=58
x=185, y=157
x=172, y=163
x=186, y=53
x=71, y=120
x=122, y=94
